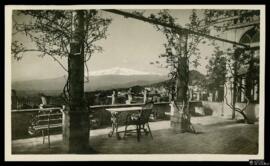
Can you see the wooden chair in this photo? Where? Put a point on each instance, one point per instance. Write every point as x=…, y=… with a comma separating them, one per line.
x=140, y=120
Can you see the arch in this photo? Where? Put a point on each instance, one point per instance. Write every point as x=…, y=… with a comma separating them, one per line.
x=250, y=36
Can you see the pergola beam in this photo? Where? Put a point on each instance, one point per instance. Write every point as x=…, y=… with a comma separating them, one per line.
x=175, y=27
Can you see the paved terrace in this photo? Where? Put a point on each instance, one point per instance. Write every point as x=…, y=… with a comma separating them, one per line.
x=216, y=135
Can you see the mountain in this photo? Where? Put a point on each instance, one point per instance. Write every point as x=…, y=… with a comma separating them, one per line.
x=120, y=71
x=196, y=78
x=101, y=80
x=121, y=81
x=98, y=80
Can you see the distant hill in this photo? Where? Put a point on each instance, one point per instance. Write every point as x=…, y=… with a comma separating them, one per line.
x=195, y=78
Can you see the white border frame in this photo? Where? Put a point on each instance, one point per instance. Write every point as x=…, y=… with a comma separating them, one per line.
x=137, y=157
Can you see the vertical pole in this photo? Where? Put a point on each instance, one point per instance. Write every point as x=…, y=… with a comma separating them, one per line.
x=145, y=96
x=243, y=84
x=48, y=131
x=182, y=84
x=234, y=90
x=183, y=71
x=236, y=56
x=76, y=121
x=113, y=97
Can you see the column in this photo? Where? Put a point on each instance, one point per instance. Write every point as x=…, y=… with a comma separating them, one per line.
x=145, y=96
x=76, y=118
x=113, y=98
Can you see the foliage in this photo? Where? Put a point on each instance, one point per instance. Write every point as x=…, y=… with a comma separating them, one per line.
x=229, y=69
x=181, y=48
x=216, y=70
x=221, y=20
x=51, y=32
x=197, y=79
x=235, y=57
x=174, y=45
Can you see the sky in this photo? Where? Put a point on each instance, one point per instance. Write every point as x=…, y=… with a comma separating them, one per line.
x=130, y=44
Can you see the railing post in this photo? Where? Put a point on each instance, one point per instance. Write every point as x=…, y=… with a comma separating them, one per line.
x=145, y=96
x=49, y=119
x=113, y=97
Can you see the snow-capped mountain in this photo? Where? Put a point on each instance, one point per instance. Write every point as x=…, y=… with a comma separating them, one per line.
x=98, y=80
x=101, y=80
x=120, y=71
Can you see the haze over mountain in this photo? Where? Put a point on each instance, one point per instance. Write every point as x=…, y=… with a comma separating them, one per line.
x=120, y=71
x=98, y=80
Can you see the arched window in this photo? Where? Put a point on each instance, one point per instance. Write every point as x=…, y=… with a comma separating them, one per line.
x=250, y=78
x=251, y=36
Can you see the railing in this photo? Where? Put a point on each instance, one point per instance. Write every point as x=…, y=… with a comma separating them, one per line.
x=37, y=109
x=20, y=118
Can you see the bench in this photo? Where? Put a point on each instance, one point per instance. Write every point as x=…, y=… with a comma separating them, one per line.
x=45, y=120
x=48, y=119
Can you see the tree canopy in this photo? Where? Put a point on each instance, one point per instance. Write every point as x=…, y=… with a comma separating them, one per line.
x=51, y=32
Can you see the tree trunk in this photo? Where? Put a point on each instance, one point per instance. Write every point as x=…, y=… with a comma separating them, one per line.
x=233, y=97
x=182, y=70
x=182, y=85
x=76, y=121
x=182, y=80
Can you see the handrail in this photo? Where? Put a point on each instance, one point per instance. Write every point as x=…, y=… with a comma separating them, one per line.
x=93, y=107
x=38, y=109
x=125, y=105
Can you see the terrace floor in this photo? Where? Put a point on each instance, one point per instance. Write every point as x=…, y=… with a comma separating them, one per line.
x=216, y=135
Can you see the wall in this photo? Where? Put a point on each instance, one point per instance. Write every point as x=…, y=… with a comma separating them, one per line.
x=221, y=109
x=252, y=111
x=216, y=108
x=21, y=119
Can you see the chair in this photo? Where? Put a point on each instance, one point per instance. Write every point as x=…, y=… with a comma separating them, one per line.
x=140, y=120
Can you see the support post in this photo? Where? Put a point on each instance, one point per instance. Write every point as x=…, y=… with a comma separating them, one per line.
x=113, y=97
x=183, y=70
x=177, y=121
x=145, y=96
x=76, y=121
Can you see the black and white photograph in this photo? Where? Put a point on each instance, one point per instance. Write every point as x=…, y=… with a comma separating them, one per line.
x=134, y=82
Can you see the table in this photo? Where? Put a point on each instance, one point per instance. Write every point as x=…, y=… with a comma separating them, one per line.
x=115, y=114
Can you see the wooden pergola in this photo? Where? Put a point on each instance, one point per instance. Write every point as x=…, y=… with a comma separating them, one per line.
x=76, y=121
x=175, y=27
